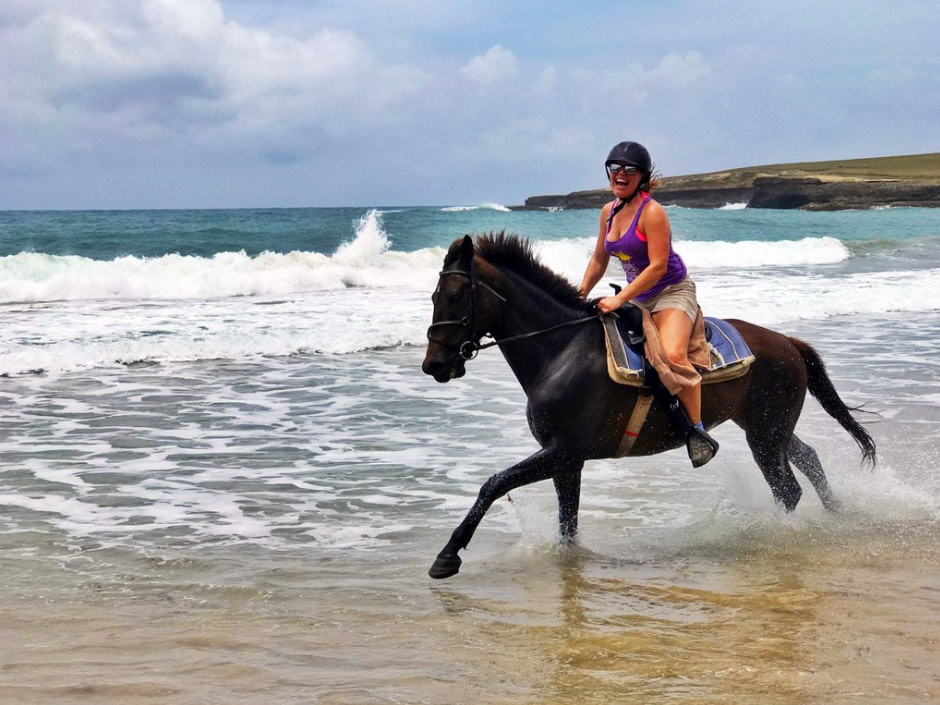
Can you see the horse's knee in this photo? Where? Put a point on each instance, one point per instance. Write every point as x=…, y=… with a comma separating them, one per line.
x=493, y=489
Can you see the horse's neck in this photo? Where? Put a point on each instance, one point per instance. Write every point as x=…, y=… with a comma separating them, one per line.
x=527, y=309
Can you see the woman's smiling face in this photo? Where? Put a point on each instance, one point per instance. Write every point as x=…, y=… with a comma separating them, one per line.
x=624, y=181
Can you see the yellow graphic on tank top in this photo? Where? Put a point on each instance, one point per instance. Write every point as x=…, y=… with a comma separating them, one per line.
x=629, y=268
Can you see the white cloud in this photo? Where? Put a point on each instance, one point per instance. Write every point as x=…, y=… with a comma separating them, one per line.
x=158, y=70
x=545, y=83
x=679, y=69
x=496, y=65
x=95, y=94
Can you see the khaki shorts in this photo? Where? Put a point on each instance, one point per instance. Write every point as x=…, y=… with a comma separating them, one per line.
x=681, y=296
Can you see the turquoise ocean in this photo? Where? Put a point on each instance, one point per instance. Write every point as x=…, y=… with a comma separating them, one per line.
x=223, y=475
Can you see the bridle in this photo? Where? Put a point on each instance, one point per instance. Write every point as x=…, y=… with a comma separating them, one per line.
x=470, y=347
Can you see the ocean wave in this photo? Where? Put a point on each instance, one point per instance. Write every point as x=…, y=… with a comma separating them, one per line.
x=770, y=300
x=570, y=256
x=733, y=207
x=365, y=261
x=753, y=253
x=73, y=335
x=76, y=335
x=482, y=206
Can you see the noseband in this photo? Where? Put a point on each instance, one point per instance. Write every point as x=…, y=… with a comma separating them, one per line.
x=470, y=347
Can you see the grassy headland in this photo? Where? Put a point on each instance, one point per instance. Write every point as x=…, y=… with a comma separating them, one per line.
x=912, y=180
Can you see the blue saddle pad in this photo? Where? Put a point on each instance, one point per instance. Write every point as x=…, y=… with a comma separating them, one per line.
x=634, y=361
x=726, y=346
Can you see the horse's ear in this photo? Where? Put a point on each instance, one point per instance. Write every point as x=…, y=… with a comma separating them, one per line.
x=466, y=252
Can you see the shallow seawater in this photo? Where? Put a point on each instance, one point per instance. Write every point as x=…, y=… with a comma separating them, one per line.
x=224, y=532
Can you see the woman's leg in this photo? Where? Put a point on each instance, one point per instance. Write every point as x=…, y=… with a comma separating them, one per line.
x=675, y=330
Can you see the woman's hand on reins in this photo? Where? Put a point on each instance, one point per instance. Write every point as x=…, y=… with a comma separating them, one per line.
x=609, y=303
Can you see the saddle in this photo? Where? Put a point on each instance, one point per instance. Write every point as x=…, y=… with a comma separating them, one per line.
x=729, y=356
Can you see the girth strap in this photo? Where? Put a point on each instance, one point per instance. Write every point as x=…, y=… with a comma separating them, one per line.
x=640, y=411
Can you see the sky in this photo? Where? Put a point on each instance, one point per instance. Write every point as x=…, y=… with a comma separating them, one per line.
x=289, y=103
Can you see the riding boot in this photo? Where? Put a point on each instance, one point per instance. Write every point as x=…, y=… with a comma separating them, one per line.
x=700, y=445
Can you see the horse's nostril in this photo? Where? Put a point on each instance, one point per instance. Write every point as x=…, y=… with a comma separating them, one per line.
x=433, y=367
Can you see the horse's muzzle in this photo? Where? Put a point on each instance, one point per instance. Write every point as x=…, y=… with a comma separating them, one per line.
x=441, y=371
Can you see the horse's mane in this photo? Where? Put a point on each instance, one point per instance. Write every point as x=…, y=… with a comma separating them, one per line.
x=515, y=254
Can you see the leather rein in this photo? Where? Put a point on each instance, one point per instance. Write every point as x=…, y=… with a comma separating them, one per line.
x=470, y=347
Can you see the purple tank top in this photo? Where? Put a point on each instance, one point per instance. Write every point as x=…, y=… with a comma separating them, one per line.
x=633, y=252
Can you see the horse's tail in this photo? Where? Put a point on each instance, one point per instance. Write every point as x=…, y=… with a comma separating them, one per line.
x=820, y=386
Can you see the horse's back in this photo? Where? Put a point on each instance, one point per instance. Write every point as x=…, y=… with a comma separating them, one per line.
x=776, y=382
x=770, y=346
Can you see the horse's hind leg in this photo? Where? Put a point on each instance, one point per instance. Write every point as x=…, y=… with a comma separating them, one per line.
x=568, y=489
x=771, y=456
x=807, y=462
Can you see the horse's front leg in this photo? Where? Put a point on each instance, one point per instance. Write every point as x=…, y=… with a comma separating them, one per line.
x=568, y=489
x=546, y=463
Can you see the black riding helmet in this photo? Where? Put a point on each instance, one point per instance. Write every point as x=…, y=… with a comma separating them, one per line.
x=632, y=154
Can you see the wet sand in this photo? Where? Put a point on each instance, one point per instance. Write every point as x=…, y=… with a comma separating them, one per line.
x=834, y=612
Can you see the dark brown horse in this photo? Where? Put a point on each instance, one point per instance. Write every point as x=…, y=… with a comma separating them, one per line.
x=576, y=413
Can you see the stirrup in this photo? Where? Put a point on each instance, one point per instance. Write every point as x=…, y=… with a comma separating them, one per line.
x=701, y=447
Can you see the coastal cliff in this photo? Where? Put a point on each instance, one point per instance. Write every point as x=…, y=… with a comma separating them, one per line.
x=836, y=185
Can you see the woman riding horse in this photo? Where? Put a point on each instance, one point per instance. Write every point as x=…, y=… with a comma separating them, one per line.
x=554, y=345
x=635, y=229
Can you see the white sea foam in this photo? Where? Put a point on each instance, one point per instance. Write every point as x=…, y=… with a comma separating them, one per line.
x=77, y=335
x=305, y=456
x=366, y=261
x=814, y=296
x=733, y=207
x=66, y=312
x=752, y=253
x=570, y=256
x=482, y=206
x=567, y=257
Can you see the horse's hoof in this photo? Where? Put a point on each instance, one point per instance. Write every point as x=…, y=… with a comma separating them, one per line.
x=445, y=565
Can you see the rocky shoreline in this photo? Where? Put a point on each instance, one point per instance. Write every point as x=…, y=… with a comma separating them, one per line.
x=789, y=188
